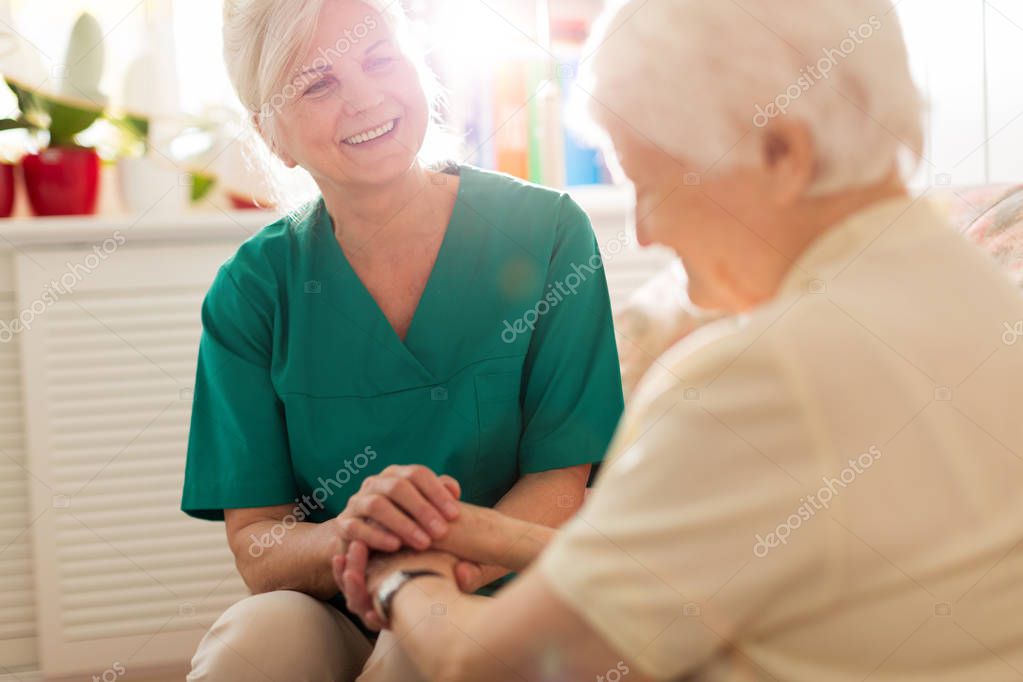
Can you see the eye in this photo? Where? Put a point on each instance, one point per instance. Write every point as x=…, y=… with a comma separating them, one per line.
x=319, y=86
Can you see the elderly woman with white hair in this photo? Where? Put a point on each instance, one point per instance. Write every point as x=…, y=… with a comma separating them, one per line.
x=824, y=486
x=417, y=335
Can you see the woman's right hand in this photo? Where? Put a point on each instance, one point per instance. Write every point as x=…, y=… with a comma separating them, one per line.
x=402, y=506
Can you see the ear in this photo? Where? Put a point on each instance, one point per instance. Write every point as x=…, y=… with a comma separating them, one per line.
x=274, y=148
x=789, y=159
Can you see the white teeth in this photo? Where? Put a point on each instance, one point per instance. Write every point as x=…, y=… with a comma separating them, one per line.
x=371, y=134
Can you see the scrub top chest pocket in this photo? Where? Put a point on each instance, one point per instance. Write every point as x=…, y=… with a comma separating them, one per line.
x=499, y=416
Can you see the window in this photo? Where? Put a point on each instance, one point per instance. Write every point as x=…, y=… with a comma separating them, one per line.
x=965, y=54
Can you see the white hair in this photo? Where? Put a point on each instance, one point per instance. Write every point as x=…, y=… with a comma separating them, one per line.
x=695, y=76
x=264, y=40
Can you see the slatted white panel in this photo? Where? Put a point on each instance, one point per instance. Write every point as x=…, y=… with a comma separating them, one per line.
x=17, y=591
x=121, y=574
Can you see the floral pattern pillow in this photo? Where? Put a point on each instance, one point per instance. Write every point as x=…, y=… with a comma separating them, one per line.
x=1000, y=231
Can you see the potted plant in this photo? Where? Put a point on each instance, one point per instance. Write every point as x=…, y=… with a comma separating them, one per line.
x=8, y=164
x=63, y=178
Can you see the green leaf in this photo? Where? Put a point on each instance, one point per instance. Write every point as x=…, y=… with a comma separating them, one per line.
x=140, y=125
x=28, y=102
x=202, y=185
x=64, y=118
x=136, y=127
x=67, y=119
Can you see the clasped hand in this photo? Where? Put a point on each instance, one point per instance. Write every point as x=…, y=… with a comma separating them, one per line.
x=402, y=507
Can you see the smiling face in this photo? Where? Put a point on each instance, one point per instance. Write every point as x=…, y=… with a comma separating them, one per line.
x=359, y=114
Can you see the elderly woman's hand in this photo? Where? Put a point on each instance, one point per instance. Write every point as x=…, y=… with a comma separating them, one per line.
x=358, y=574
x=402, y=506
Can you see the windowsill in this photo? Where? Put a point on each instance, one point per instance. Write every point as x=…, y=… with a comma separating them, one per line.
x=600, y=202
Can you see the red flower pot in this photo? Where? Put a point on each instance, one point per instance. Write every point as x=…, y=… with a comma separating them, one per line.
x=6, y=190
x=62, y=181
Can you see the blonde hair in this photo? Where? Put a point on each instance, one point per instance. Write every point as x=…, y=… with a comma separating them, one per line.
x=264, y=40
x=694, y=77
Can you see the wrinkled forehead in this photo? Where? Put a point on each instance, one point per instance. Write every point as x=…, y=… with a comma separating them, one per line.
x=345, y=29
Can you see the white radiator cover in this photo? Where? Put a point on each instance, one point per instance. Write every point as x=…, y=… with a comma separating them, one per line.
x=17, y=591
x=121, y=575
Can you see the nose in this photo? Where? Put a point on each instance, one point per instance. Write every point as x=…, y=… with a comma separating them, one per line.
x=360, y=95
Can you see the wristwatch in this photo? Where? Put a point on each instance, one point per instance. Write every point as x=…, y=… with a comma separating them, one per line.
x=384, y=595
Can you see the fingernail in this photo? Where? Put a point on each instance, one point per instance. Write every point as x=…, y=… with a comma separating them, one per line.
x=421, y=538
x=451, y=509
x=438, y=528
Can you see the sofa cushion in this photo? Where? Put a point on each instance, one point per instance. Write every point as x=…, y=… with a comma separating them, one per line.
x=999, y=230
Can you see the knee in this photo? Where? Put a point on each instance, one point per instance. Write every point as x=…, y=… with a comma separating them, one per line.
x=277, y=635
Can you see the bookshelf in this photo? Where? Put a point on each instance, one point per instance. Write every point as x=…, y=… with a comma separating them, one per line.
x=508, y=67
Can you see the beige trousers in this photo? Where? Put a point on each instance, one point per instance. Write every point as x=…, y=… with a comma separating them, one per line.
x=291, y=637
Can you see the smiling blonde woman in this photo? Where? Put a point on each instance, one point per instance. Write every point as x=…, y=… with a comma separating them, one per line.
x=356, y=375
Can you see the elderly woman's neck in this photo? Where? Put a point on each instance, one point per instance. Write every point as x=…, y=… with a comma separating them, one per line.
x=820, y=214
x=795, y=232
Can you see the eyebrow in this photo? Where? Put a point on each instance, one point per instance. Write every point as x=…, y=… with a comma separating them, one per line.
x=321, y=69
x=328, y=68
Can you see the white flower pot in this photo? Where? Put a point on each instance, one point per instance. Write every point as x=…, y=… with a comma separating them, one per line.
x=152, y=185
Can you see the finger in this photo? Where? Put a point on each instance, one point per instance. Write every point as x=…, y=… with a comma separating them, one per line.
x=355, y=578
x=435, y=490
x=468, y=575
x=376, y=536
x=354, y=591
x=379, y=508
x=452, y=485
x=358, y=557
x=372, y=621
x=410, y=500
x=431, y=486
x=338, y=569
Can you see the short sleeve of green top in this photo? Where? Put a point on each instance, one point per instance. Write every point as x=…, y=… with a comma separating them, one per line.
x=509, y=366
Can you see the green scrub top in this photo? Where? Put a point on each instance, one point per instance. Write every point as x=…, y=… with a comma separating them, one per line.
x=509, y=367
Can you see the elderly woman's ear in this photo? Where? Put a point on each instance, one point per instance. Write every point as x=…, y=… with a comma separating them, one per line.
x=788, y=158
x=273, y=144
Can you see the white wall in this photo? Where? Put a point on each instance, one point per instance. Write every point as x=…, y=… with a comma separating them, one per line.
x=967, y=57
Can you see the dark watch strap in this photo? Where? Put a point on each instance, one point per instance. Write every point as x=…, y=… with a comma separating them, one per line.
x=384, y=597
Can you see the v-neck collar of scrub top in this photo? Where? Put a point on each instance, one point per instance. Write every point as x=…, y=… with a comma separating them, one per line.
x=425, y=335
